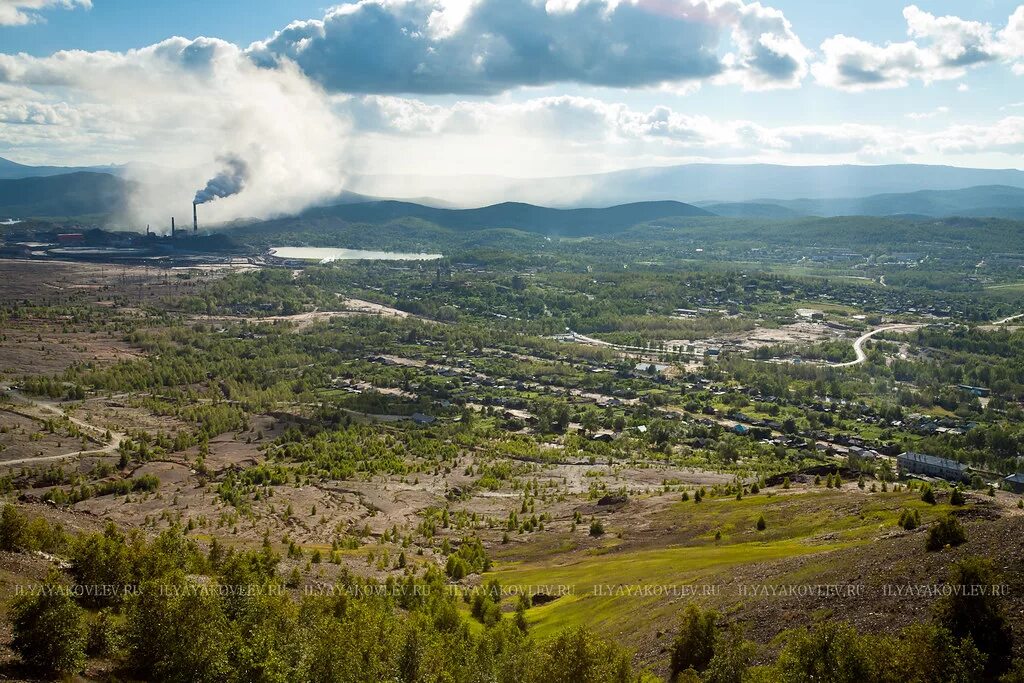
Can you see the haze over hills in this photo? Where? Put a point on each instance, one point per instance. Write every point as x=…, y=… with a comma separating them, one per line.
x=10, y=170
x=720, y=183
x=999, y=201
x=103, y=194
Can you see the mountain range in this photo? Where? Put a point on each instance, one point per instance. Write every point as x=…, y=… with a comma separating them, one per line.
x=758, y=192
x=10, y=170
x=693, y=183
x=997, y=201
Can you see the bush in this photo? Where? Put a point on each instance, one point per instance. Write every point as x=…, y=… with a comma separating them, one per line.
x=910, y=519
x=596, y=528
x=947, y=531
x=957, y=498
x=761, y=525
x=49, y=634
x=13, y=525
x=694, y=646
x=578, y=655
x=104, y=636
x=977, y=615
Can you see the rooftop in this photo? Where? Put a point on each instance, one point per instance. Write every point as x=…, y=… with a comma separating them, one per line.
x=933, y=460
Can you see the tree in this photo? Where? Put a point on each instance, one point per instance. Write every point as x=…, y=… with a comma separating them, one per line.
x=694, y=646
x=731, y=659
x=928, y=495
x=957, y=498
x=975, y=612
x=761, y=524
x=576, y=655
x=832, y=652
x=49, y=633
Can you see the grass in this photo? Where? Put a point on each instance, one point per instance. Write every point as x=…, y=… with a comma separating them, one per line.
x=599, y=587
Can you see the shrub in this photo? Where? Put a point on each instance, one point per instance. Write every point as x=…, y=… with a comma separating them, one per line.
x=596, y=528
x=910, y=519
x=947, y=531
x=49, y=634
x=957, y=498
x=761, y=525
x=13, y=526
x=927, y=495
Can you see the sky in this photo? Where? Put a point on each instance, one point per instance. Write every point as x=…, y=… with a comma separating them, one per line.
x=311, y=94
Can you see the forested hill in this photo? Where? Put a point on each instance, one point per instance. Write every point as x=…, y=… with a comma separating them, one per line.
x=68, y=195
x=526, y=217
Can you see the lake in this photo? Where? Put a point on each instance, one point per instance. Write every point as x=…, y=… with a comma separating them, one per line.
x=328, y=254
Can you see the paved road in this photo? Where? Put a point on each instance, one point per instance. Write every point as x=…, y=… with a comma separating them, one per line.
x=1008, y=320
x=858, y=346
x=51, y=407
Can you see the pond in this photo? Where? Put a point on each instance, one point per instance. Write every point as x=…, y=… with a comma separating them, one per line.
x=328, y=254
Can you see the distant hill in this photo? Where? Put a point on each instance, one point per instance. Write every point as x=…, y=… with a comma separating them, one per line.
x=997, y=201
x=10, y=170
x=719, y=183
x=71, y=194
x=751, y=210
x=526, y=217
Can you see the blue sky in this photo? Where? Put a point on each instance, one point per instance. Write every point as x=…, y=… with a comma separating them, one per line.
x=123, y=24
x=508, y=87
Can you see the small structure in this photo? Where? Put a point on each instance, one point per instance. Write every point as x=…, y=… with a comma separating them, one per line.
x=421, y=419
x=1014, y=482
x=980, y=392
x=71, y=238
x=933, y=466
x=651, y=368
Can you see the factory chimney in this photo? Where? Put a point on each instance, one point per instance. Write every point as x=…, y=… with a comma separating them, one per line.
x=172, y=227
x=195, y=220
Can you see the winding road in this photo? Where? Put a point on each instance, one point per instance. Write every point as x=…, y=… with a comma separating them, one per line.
x=47, y=406
x=858, y=346
x=1008, y=320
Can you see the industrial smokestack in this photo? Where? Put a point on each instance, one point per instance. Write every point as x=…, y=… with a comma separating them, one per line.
x=195, y=219
x=172, y=226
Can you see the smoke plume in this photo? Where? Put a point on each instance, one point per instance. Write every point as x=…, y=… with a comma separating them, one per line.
x=228, y=182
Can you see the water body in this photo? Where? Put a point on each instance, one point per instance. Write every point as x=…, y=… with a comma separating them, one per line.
x=328, y=254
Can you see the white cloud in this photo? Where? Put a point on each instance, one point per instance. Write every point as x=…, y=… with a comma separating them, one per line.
x=940, y=48
x=501, y=136
x=923, y=115
x=181, y=105
x=21, y=12
x=491, y=46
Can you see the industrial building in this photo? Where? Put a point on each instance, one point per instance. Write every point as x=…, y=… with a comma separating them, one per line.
x=1014, y=482
x=933, y=466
